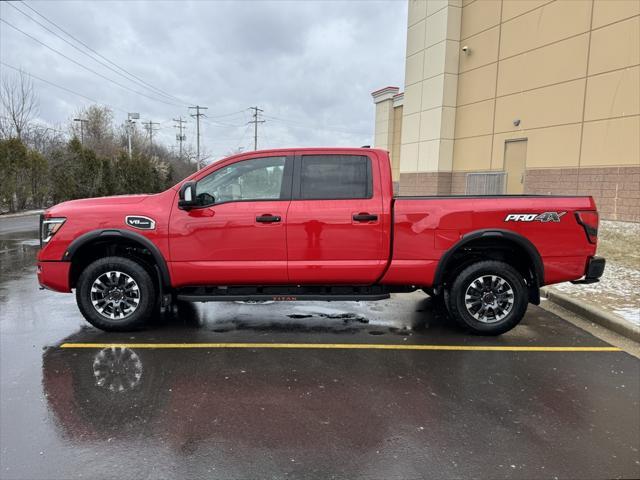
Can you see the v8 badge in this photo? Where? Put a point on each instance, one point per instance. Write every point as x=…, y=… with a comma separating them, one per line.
x=143, y=223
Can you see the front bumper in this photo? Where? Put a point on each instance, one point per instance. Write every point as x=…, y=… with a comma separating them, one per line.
x=54, y=276
x=593, y=272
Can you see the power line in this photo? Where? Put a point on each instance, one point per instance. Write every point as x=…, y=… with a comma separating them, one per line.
x=240, y=140
x=85, y=53
x=255, y=121
x=228, y=114
x=85, y=67
x=244, y=134
x=97, y=53
x=45, y=127
x=197, y=116
x=57, y=86
x=267, y=138
x=40, y=127
x=312, y=127
x=220, y=124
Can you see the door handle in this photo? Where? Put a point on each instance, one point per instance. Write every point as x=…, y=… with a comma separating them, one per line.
x=268, y=218
x=364, y=217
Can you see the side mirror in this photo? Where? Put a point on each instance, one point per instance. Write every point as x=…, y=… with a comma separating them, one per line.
x=187, y=196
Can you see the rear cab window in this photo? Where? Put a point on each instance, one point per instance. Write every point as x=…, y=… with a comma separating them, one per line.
x=330, y=177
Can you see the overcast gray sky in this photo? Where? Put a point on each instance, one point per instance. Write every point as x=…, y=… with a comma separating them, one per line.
x=311, y=65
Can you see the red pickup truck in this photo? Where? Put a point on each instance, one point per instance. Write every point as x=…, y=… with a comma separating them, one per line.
x=313, y=224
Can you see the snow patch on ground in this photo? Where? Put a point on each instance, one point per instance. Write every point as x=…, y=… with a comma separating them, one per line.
x=618, y=291
x=631, y=314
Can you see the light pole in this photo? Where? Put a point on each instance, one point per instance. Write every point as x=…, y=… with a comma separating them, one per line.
x=130, y=121
x=82, y=122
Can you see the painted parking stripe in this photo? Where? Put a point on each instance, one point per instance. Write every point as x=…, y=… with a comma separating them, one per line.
x=346, y=346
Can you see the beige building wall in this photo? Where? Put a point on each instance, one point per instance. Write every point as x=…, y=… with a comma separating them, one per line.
x=396, y=139
x=563, y=75
x=388, y=126
x=431, y=77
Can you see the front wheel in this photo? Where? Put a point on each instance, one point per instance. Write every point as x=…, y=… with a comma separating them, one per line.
x=488, y=298
x=115, y=294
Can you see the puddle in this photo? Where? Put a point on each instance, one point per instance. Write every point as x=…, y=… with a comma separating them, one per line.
x=31, y=242
x=346, y=317
x=17, y=252
x=272, y=326
x=331, y=314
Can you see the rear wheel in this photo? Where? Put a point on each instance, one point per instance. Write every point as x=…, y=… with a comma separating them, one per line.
x=116, y=294
x=488, y=298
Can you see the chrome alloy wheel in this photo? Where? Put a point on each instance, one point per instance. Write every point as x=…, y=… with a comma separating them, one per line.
x=489, y=298
x=115, y=295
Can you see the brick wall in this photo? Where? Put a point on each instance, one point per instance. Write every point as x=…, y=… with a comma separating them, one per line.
x=616, y=190
x=459, y=183
x=426, y=183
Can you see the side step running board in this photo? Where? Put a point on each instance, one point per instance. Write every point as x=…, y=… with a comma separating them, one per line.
x=280, y=298
x=285, y=293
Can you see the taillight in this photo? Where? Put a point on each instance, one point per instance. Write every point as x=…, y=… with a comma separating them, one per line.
x=589, y=220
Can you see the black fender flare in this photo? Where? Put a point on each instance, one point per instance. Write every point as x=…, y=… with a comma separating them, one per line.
x=520, y=240
x=82, y=240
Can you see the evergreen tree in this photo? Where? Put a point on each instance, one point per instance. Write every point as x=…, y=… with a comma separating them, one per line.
x=14, y=181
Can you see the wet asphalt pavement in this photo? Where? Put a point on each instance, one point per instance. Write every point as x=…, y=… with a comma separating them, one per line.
x=302, y=412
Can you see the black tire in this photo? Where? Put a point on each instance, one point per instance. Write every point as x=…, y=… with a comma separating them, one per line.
x=147, y=299
x=491, y=324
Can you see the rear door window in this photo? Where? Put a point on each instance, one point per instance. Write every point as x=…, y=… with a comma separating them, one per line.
x=327, y=177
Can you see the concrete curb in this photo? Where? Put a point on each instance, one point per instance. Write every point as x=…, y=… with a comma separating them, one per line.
x=26, y=213
x=593, y=314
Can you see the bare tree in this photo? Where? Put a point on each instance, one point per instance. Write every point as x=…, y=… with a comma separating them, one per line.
x=19, y=104
x=97, y=130
x=43, y=138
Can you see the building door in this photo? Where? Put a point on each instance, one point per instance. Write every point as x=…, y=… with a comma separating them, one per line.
x=515, y=161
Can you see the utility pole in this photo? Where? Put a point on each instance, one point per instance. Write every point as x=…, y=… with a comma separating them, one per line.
x=130, y=121
x=255, y=122
x=180, y=137
x=197, y=116
x=82, y=122
x=149, y=127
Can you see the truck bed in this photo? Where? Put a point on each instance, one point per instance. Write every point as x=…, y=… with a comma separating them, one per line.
x=422, y=235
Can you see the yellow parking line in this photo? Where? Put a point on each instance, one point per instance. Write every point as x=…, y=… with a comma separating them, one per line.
x=346, y=346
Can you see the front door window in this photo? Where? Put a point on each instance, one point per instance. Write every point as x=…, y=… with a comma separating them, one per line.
x=257, y=179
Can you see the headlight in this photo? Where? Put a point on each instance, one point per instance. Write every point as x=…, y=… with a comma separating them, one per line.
x=49, y=227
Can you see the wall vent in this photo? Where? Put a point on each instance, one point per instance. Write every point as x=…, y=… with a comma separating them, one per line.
x=486, y=183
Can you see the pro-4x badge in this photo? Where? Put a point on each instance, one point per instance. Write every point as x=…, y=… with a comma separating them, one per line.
x=535, y=217
x=143, y=223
